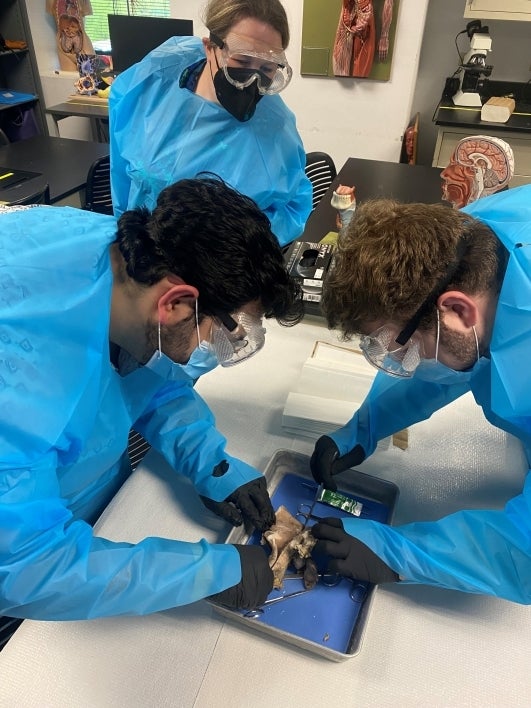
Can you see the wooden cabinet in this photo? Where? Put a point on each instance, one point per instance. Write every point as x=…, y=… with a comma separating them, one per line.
x=18, y=67
x=499, y=9
x=448, y=137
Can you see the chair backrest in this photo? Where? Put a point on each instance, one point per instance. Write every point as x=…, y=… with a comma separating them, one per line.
x=321, y=171
x=98, y=188
x=40, y=196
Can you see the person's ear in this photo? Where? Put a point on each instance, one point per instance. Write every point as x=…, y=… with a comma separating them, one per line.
x=207, y=44
x=459, y=310
x=176, y=302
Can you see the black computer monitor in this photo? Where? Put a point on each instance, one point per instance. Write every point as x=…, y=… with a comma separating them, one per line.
x=132, y=37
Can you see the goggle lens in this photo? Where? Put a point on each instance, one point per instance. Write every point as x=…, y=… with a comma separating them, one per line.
x=235, y=345
x=242, y=66
x=382, y=351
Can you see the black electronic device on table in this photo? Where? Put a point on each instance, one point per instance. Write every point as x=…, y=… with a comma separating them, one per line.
x=11, y=178
x=309, y=263
x=134, y=36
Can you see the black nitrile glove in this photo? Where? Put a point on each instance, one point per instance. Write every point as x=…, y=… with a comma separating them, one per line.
x=256, y=582
x=250, y=502
x=326, y=462
x=350, y=557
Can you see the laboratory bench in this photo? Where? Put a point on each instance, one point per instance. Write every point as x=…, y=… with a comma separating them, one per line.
x=422, y=646
x=62, y=163
x=457, y=122
x=97, y=112
x=372, y=179
x=375, y=179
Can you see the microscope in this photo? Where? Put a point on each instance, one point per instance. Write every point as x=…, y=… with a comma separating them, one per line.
x=473, y=67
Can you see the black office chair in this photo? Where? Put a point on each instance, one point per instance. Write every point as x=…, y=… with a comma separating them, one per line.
x=8, y=625
x=98, y=189
x=40, y=196
x=321, y=171
x=98, y=198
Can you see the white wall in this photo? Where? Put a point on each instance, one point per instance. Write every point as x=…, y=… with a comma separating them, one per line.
x=343, y=117
x=510, y=57
x=56, y=85
x=347, y=117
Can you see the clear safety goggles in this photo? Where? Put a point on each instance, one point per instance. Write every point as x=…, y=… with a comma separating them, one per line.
x=400, y=354
x=236, y=338
x=383, y=350
x=242, y=66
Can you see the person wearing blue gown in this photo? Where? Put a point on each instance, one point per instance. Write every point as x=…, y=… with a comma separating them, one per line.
x=195, y=105
x=105, y=324
x=441, y=300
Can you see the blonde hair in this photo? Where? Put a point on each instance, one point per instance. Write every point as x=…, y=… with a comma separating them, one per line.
x=221, y=15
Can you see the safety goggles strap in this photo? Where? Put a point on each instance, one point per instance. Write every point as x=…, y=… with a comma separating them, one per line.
x=433, y=295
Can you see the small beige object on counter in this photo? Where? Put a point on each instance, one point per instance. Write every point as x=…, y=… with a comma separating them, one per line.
x=497, y=109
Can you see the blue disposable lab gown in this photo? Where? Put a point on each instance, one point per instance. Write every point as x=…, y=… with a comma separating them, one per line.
x=161, y=133
x=64, y=423
x=480, y=551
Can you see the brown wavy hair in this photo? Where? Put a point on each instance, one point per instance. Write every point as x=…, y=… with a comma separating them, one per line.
x=392, y=255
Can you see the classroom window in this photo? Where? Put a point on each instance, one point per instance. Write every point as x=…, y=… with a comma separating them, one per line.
x=96, y=25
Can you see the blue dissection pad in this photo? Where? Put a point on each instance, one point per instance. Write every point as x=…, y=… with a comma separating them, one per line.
x=326, y=615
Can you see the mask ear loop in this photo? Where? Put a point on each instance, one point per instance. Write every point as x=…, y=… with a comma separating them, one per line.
x=438, y=335
x=477, y=343
x=159, y=355
x=217, y=64
x=197, y=324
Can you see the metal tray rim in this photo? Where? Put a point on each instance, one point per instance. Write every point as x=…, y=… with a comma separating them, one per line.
x=240, y=535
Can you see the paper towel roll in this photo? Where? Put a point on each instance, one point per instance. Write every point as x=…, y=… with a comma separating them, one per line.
x=497, y=110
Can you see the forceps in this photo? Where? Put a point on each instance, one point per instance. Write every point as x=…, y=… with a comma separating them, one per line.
x=328, y=579
x=357, y=593
x=305, y=510
x=259, y=611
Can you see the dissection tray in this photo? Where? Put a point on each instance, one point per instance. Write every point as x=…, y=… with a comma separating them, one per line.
x=329, y=620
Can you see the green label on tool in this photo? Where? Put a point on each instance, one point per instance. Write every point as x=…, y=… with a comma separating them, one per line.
x=340, y=501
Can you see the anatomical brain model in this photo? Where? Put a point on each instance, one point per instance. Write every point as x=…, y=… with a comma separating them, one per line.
x=480, y=165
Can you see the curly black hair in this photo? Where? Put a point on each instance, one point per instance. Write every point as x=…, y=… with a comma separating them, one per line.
x=215, y=239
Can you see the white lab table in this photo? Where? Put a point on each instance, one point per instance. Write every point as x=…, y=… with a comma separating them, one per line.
x=422, y=647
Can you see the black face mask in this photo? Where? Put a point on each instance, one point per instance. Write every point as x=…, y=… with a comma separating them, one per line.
x=240, y=103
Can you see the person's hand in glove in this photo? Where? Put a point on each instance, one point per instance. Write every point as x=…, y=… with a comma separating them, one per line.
x=326, y=462
x=250, y=502
x=350, y=557
x=256, y=582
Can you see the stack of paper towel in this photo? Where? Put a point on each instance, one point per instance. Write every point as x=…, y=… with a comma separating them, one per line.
x=333, y=382
x=498, y=109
